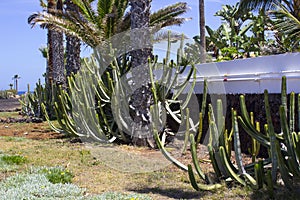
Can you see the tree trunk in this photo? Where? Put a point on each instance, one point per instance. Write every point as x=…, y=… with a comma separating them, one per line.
x=57, y=55
x=202, y=32
x=141, y=99
x=49, y=68
x=72, y=46
x=297, y=9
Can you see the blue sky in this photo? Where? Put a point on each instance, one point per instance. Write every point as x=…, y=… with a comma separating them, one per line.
x=19, y=43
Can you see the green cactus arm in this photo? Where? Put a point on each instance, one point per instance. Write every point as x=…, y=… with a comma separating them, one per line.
x=166, y=153
x=187, y=131
x=259, y=173
x=292, y=157
x=195, y=157
x=271, y=133
x=52, y=126
x=284, y=93
x=204, y=97
x=200, y=128
x=180, y=87
x=248, y=126
x=237, y=146
x=191, y=90
x=200, y=186
x=159, y=144
x=227, y=167
x=250, y=181
x=262, y=139
x=292, y=112
x=284, y=171
x=214, y=161
x=296, y=141
x=270, y=184
x=220, y=122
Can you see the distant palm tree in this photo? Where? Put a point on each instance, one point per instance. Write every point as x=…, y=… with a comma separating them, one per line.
x=11, y=86
x=16, y=78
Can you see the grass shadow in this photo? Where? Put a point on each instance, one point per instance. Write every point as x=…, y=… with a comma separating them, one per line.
x=174, y=193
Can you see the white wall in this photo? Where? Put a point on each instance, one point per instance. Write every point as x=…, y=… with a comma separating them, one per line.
x=252, y=75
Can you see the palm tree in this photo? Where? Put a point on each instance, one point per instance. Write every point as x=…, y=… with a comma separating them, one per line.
x=141, y=98
x=108, y=18
x=202, y=32
x=15, y=78
x=57, y=58
x=11, y=86
x=55, y=67
x=73, y=43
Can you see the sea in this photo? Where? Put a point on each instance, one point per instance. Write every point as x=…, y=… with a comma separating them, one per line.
x=23, y=92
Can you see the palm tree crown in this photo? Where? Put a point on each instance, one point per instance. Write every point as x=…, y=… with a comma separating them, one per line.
x=105, y=19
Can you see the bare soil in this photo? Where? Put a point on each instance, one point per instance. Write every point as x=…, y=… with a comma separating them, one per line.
x=9, y=105
x=44, y=147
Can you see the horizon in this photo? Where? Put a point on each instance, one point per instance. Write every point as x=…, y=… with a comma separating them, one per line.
x=20, y=43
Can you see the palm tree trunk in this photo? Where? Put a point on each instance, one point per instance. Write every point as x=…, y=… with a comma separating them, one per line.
x=297, y=9
x=202, y=32
x=56, y=57
x=72, y=46
x=49, y=68
x=141, y=99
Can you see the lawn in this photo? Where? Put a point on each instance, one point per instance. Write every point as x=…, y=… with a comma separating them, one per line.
x=103, y=170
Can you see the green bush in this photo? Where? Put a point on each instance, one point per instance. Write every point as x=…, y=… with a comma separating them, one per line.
x=14, y=159
x=58, y=175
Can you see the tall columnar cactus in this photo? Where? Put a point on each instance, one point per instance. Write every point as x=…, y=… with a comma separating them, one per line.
x=32, y=102
x=95, y=107
x=283, y=148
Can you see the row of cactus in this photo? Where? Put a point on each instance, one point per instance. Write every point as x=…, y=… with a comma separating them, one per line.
x=31, y=102
x=95, y=106
x=283, y=148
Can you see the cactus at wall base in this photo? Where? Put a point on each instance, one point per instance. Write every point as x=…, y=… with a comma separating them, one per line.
x=284, y=152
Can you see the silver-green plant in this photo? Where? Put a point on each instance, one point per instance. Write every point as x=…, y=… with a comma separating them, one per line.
x=95, y=106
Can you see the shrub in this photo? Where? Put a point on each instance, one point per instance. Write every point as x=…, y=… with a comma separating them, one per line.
x=14, y=159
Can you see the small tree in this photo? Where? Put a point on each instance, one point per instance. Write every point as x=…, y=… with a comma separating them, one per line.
x=15, y=78
x=11, y=86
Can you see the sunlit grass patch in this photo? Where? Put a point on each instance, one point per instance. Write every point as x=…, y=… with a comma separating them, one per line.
x=57, y=174
x=12, y=139
x=13, y=159
x=9, y=114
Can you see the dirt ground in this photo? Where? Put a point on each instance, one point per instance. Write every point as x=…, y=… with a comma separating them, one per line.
x=46, y=147
x=7, y=105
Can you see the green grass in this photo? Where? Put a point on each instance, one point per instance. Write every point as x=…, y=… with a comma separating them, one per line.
x=9, y=114
x=13, y=159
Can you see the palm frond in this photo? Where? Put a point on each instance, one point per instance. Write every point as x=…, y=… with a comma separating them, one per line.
x=164, y=35
x=257, y=4
x=43, y=4
x=171, y=11
x=86, y=10
x=83, y=30
x=286, y=23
